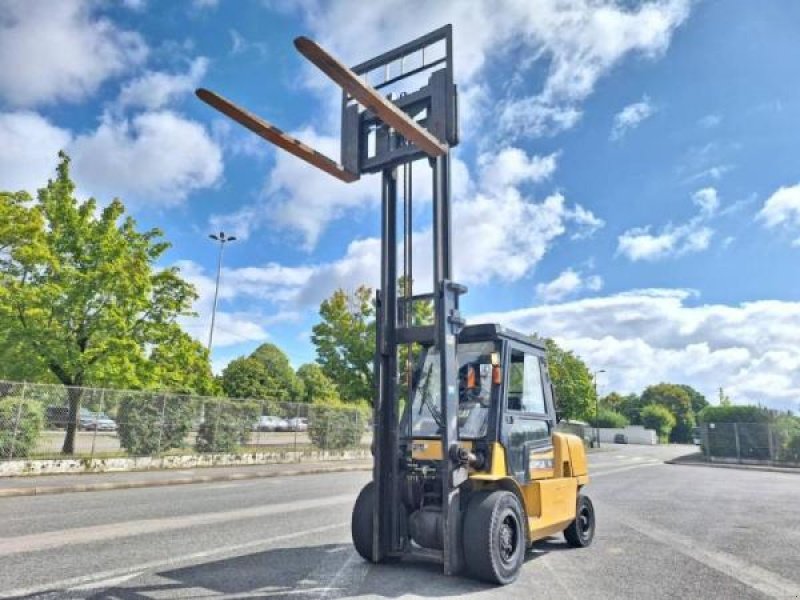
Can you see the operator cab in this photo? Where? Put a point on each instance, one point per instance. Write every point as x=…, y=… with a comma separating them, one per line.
x=505, y=397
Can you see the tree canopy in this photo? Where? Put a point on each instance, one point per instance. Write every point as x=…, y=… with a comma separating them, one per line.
x=345, y=342
x=675, y=399
x=81, y=293
x=572, y=382
x=317, y=387
x=265, y=374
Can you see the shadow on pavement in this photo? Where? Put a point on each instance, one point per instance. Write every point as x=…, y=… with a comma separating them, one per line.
x=326, y=571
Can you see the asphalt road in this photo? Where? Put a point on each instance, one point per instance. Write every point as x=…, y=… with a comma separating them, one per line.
x=664, y=531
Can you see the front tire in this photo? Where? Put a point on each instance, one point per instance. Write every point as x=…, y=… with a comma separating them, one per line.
x=361, y=524
x=494, y=537
x=580, y=532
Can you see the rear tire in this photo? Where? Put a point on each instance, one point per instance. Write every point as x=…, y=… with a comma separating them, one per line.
x=361, y=524
x=580, y=532
x=494, y=537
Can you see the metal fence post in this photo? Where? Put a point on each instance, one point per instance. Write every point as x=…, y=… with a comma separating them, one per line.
x=102, y=410
x=738, y=447
x=296, y=425
x=161, y=427
x=215, y=443
x=16, y=422
x=771, y=442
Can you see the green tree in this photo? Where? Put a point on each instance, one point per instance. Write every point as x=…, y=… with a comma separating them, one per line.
x=245, y=377
x=612, y=401
x=608, y=418
x=697, y=399
x=80, y=290
x=660, y=419
x=181, y=364
x=317, y=387
x=572, y=381
x=675, y=399
x=283, y=381
x=345, y=342
x=266, y=374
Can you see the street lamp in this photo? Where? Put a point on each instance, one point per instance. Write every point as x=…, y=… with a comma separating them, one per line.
x=222, y=239
x=597, y=407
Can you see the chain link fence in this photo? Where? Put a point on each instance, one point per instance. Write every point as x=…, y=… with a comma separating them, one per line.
x=35, y=420
x=751, y=443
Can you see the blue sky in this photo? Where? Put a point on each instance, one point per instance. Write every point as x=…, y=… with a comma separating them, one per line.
x=627, y=182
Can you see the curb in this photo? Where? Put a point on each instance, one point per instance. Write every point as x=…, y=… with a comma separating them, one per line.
x=767, y=469
x=124, y=485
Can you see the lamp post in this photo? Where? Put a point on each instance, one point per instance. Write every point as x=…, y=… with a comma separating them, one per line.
x=222, y=239
x=597, y=407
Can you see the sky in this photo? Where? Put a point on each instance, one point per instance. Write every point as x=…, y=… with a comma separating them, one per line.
x=627, y=181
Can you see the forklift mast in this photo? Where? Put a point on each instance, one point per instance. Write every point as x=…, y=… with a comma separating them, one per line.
x=397, y=108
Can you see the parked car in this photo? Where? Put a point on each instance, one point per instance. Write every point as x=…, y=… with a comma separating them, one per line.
x=56, y=417
x=620, y=438
x=267, y=423
x=89, y=421
x=298, y=424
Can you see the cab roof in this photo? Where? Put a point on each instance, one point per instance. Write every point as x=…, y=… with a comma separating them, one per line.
x=495, y=331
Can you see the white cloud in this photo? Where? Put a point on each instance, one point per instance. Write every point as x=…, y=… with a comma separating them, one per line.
x=579, y=41
x=782, y=208
x=155, y=89
x=673, y=240
x=568, y=283
x=631, y=117
x=155, y=158
x=29, y=145
x=640, y=244
x=643, y=337
x=230, y=327
x=707, y=200
x=512, y=166
x=53, y=51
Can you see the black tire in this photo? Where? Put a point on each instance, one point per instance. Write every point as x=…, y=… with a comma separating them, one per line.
x=580, y=532
x=494, y=537
x=361, y=523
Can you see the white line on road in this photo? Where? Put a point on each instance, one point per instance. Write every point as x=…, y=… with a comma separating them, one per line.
x=109, y=577
x=751, y=575
x=97, y=533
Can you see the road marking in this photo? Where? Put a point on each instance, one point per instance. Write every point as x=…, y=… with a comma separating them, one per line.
x=641, y=465
x=109, y=577
x=98, y=533
x=751, y=575
x=347, y=578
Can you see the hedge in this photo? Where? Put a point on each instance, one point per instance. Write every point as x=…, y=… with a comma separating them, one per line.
x=334, y=428
x=139, y=422
x=20, y=424
x=226, y=426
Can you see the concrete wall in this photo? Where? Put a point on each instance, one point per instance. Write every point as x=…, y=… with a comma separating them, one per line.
x=636, y=434
x=11, y=468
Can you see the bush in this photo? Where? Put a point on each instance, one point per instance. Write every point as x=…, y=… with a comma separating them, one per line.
x=226, y=426
x=140, y=428
x=25, y=419
x=660, y=419
x=334, y=428
x=734, y=414
x=609, y=418
x=791, y=451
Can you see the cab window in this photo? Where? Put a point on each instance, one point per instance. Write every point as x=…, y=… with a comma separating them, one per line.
x=525, y=393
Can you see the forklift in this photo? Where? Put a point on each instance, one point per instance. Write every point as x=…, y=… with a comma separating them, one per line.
x=468, y=467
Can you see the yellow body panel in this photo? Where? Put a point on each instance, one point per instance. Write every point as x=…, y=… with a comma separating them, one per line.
x=550, y=497
x=432, y=449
